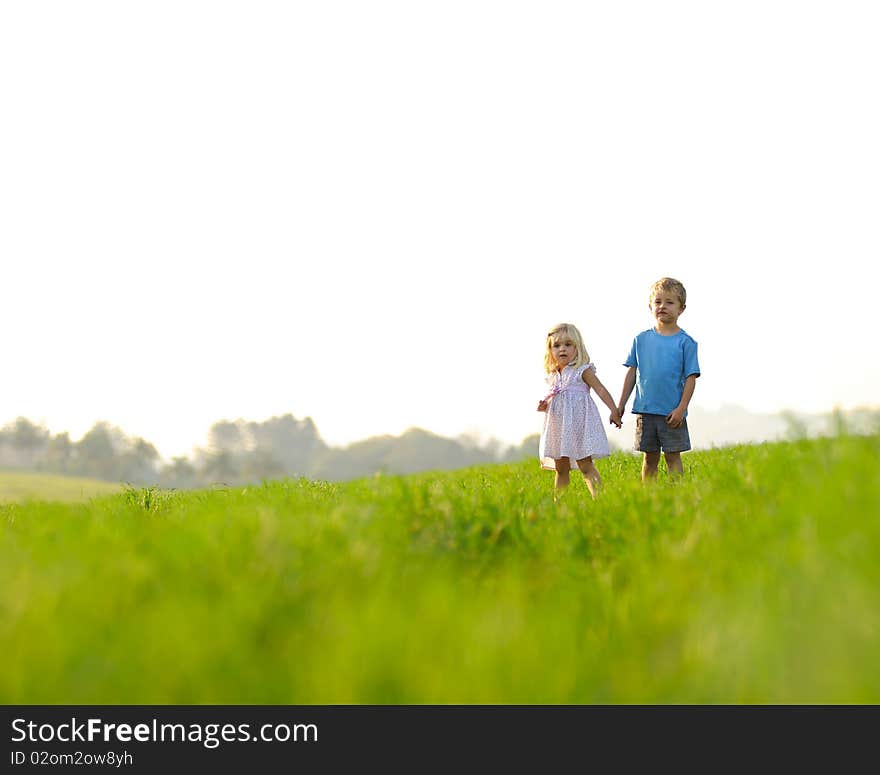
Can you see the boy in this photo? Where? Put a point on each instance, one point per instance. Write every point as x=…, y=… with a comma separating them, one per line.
x=663, y=368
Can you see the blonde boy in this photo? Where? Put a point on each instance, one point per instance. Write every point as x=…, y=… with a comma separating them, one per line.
x=663, y=368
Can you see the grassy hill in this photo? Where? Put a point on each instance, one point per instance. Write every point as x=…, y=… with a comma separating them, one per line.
x=756, y=579
x=22, y=485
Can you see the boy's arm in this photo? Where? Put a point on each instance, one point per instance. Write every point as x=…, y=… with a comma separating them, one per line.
x=675, y=418
x=629, y=382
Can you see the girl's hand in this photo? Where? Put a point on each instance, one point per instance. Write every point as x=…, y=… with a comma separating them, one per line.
x=542, y=405
x=615, y=419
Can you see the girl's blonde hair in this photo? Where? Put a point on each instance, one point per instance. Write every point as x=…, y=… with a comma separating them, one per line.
x=564, y=331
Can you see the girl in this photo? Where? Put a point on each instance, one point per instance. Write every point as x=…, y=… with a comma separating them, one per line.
x=572, y=427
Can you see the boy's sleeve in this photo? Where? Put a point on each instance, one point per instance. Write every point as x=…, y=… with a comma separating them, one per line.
x=691, y=364
x=631, y=358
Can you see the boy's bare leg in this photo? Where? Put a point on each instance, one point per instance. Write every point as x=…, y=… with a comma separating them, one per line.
x=649, y=465
x=591, y=475
x=563, y=466
x=673, y=463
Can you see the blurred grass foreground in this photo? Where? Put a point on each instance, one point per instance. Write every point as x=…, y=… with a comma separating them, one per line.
x=755, y=579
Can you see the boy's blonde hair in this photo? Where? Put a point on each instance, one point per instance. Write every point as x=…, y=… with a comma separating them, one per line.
x=564, y=331
x=670, y=285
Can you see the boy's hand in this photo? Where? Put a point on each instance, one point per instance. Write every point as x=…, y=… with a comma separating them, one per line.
x=615, y=419
x=675, y=418
x=542, y=405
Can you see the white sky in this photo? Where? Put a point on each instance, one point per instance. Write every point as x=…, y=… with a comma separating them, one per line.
x=371, y=212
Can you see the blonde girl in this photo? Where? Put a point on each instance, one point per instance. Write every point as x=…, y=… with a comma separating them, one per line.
x=573, y=430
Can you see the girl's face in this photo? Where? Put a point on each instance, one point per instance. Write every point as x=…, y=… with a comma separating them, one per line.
x=564, y=351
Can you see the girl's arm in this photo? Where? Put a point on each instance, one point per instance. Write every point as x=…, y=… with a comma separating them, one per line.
x=593, y=381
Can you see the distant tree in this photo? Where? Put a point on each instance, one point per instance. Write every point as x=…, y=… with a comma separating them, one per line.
x=293, y=444
x=358, y=459
x=239, y=451
x=524, y=450
x=227, y=436
x=420, y=450
x=260, y=465
x=415, y=450
x=796, y=426
x=105, y=452
x=219, y=467
x=27, y=435
x=138, y=462
x=179, y=474
x=25, y=443
x=96, y=453
x=224, y=459
x=59, y=454
x=483, y=449
x=9, y=457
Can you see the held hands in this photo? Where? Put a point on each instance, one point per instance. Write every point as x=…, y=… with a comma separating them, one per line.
x=543, y=404
x=615, y=418
x=675, y=418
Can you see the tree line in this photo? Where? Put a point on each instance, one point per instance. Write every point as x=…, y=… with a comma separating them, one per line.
x=241, y=452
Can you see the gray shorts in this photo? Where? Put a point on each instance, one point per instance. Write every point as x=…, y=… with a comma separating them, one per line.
x=654, y=435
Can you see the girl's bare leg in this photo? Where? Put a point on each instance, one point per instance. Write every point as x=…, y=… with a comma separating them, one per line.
x=563, y=466
x=591, y=475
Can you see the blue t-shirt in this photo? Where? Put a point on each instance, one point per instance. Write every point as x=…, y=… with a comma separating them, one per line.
x=663, y=364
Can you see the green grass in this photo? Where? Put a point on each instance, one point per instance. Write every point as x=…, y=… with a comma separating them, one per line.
x=755, y=579
x=21, y=485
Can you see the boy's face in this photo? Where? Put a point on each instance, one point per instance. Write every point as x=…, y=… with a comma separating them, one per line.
x=666, y=307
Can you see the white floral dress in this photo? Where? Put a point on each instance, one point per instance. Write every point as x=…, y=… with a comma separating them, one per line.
x=572, y=425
